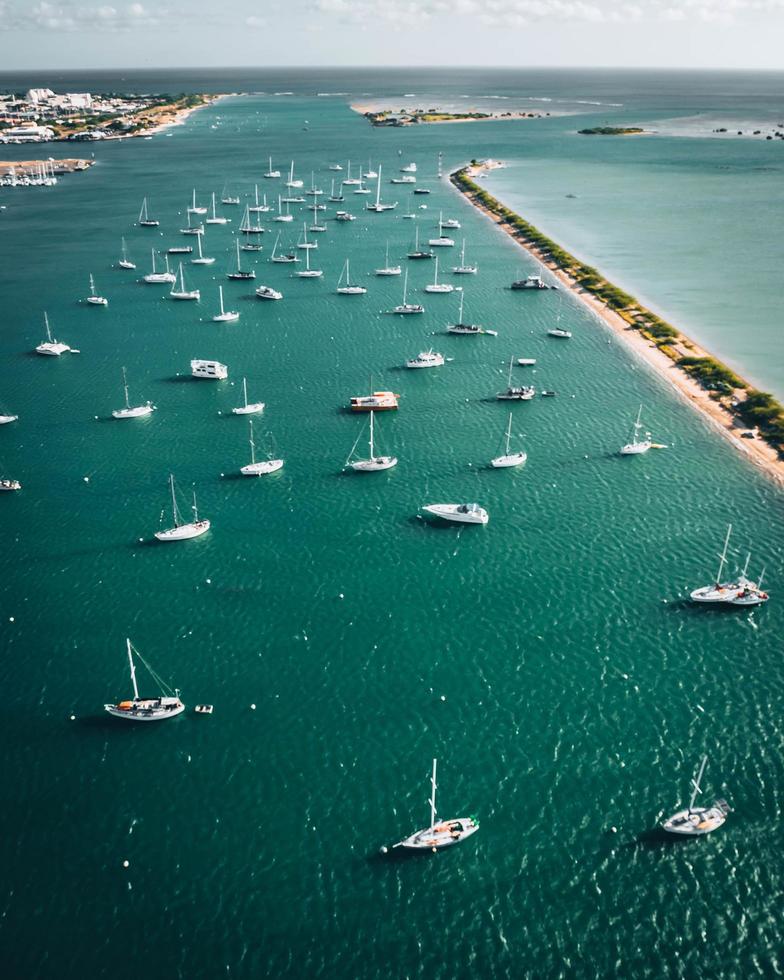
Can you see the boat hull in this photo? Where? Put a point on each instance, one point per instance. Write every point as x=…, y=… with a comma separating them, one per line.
x=252, y=409
x=262, y=468
x=444, y=834
x=184, y=531
x=375, y=465
x=138, y=412
x=151, y=709
x=513, y=459
x=452, y=512
x=697, y=823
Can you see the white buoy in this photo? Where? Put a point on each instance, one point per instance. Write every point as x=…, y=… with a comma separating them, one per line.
x=73, y=717
x=253, y=707
x=384, y=850
x=87, y=479
x=126, y=864
x=209, y=581
x=443, y=697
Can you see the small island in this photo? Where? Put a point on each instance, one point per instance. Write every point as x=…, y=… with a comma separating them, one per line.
x=411, y=117
x=611, y=131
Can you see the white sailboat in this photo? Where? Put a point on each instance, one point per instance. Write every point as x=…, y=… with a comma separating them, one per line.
x=438, y=287
x=464, y=269
x=50, y=347
x=387, y=269
x=262, y=467
x=145, y=221
x=192, y=229
x=344, y=287
x=239, y=272
x=719, y=591
x=508, y=459
x=248, y=227
x=348, y=180
x=125, y=262
x=440, y=833
x=286, y=258
x=303, y=243
x=194, y=207
x=307, y=272
x=201, y=258
x=283, y=215
x=227, y=198
x=515, y=393
x=695, y=822
x=166, y=705
x=373, y=463
x=129, y=411
x=178, y=290
x=637, y=446
x=292, y=181
x=225, y=316
x=215, y=218
x=247, y=408
x=182, y=530
x=333, y=197
x=406, y=308
x=378, y=207
x=468, y=329
x=156, y=277
x=271, y=173
x=257, y=207
x=317, y=227
x=94, y=299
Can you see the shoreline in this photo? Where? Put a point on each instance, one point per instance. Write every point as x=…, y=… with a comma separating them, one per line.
x=424, y=117
x=720, y=416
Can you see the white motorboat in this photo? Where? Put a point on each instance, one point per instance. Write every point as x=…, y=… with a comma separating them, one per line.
x=559, y=332
x=212, y=370
x=344, y=287
x=201, y=258
x=406, y=308
x=307, y=272
x=247, y=408
x=515, y=393
x=166, y=705
x=94, y=299
x=336, y=167
x=225, y=316
x=440, y=833
x=403, y=180
x=240, y=273
x=129, y=411
x=271, y=173
x=194, y=207
x=215, y=218
x=182, y=530
x=459, y=513
x=449, y=223
x=441, y=242
x=6, y=419
x=156, y=277
x=426, y=359
x=464, y=269
x=387, y=269
x=410, y=168
x=125, y=262
x=438, y=287
x=50, y=347
x=507, y=459
x=303, y=242
x=695, y=822
x=180, y=250
x=145, y=221
x=344, y=216
x=374, y=463
x=267, y=292
x=8, y=484
x=637, y=446
x=531, y=282
x=526, y=361
x=262, y=467
x=178, y=290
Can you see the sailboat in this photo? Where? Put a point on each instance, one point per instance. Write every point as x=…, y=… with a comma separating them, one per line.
x=345, y=288
x=225, y=316
x=178, y=290
x=166, y=705
x=378, y=207
x=406, y=308
x=418, y=253
x=156, y=277
x=702, y=820
x=741, y=593
x=333, y=197
x=240, y=273
x=215, y=218
x=468, y=329
x=192, y=229
x=145, y=221
x=132, y=412
x=292, y=182
x=374, y=463
x=348, y=180
x=258, y=208
x=637, y=446
x=307, y=272
x=94, y=299
x=125, y=262
x=558, y=331
x=442, y=833
x=247, y=227
x=317, y=227
x=463, y=269
x=195, y=208
x=303, y=243
x=280, y=216
x=509, y=459
x=227, y=198
x=438, y=287
x=201, y=258
x=271, y=174
x=387, y=269
x=370, y=172
x=286, y=258
x=50, y=347
x=182, y=530
x=314, y=191
x=263, y=467
x=515, y=393
x=247, y=408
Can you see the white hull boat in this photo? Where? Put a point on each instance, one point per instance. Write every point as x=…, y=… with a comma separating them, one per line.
x=183, y=531
x=459, y=513
x=696, y=822
x=426, y=359
x=146, y=709
x=50, y=347
x=247, y=408
x=374, y=464
x=132, y=411
x=440, y=833
x=225, y=316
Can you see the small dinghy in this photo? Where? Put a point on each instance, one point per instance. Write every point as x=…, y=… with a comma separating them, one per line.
x=203, y=709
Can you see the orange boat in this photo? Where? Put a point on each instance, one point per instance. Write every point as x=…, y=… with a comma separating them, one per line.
x=379, y=401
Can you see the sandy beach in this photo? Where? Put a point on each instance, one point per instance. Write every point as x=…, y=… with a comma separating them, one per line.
x=756, y=451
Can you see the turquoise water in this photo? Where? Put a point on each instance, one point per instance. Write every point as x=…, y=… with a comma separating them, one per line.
x=547, y=659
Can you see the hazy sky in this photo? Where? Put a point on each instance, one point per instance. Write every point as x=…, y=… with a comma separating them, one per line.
x=519, y=33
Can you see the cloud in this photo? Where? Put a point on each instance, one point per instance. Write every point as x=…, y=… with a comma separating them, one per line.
x=64, y=17
x=257, y=23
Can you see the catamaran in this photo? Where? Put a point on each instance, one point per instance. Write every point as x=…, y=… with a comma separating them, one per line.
x=145, y=221
x=159, y=277
x=285, y=258
x=419, y=253
x=125, y=262
x=240, y=273
x=262, y=467
x=694, y=822
x=129, y=411
x=178, y=290
x=387, y=269
x=50, y=347
x=344, y=287
x=426, y=359
x=406, y=308
x=195, y=208
x=215, y=218
x=463, y=269
x=307, y=272
x=247, y=408
x=379, y=401
x=515, y=393
x=459, y=513
x=438, y=287
x=373, y=463
x=271, y=174
x=637, y=446
x=225, y=316
x=94, y=299
x=166, y=705
x=182, y=530
x=201, y=258
x=507, y=459
x=439, y=834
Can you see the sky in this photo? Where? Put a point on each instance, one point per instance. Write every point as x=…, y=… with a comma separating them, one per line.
x=36, y=34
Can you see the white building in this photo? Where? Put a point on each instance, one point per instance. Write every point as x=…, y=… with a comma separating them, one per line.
x=37, y=95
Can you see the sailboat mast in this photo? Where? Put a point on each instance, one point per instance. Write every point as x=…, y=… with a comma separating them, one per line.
x=460, y=315
x=435, y=276
x=405, y=287
x=508, y=433
x=245, y=391
x=372, y=414
x=723, y=556
x=696, y=783
x=378, y=187
x=220, y=293
x=433, y=795
x=125, y=386
x=133, y=670
x=175, y=512
x=48, y=331
x=252, y=444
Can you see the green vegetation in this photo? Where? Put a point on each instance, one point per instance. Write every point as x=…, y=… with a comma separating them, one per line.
x=711, y=374
x=611, y=131
x=762, y=410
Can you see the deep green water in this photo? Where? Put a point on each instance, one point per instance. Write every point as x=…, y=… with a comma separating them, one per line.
x=547, y=659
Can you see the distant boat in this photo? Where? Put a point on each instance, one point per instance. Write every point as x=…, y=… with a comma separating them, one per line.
x=406, y=308
x=469, y=329
x=637, y=446
x=443, y=241
x=307, y=272
x=349, y=181
x=227, y=198
x=225, y=316
x=378, y=207
x=558, y=331
x=192, y=229
x=263, y=467
x=463, y=269
x=459, y=513
x=373, y=463
x=8, y=484
x=409, y=168
x=426, y=359
x=438, y=287
x=379, y=401
x=333, y=197
x=50, y=347
x=182, y=530
x=216, y=219
x=166, y=705
x=132, y=412
x=195, y=208
x=418, y=253
x=387, y=269
x=156, y=277
x=258, y=208
x=267, y=292
x=178, y=290
x=248, y=227
x=247, y=408
x=507, y=459
x=180, y=250
x=303, y=242
x=442, y=833
x=292, y=182
x=211, y=370
x=515, y=393
x=286, y=258
x=125, y=262
x=531, y=282
x=201, y=258
x=526, y=361
x=344, y=216
x=94, y=299
x=145, y=221
x=6, y=419
x=335, y=166
x=281, y=215
x=693, y=822
x=271, y=174
x=344, y=287
x=743, y=592
x=239, y=273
